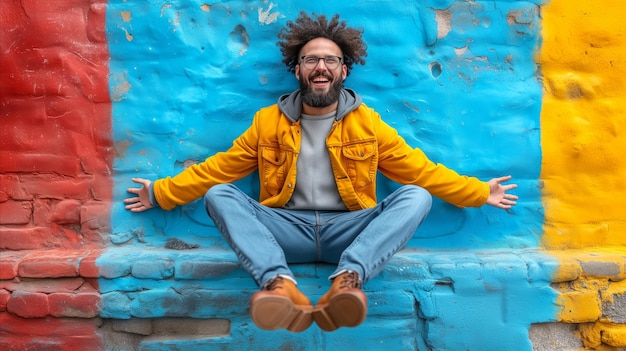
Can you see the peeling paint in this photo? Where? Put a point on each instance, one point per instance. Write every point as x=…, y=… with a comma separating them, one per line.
x=126, y=16
x=120, y=87
x=443, y=18
x=265, y=15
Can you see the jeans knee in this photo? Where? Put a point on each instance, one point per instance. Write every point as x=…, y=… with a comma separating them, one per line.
x=419, y=196
x=216, y=193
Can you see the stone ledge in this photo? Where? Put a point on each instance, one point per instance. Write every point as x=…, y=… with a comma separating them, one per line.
x=219, y=261
x=422, y=290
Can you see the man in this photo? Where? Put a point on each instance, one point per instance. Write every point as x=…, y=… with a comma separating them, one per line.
x=317, y=152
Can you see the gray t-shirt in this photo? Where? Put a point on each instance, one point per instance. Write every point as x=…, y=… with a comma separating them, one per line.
x=316, y=188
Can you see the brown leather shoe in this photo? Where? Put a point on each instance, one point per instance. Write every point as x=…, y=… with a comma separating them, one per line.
x=280, y=305
x=344, y=305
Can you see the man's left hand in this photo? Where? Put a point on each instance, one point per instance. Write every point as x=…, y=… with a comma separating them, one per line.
x=498, y=195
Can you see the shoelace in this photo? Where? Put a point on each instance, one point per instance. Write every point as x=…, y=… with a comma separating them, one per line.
x=272, y=284
x=351, y=280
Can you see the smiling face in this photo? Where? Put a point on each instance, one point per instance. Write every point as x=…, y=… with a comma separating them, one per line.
x=320, y=85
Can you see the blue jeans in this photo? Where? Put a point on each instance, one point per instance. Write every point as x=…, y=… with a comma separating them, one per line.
x=266, y=239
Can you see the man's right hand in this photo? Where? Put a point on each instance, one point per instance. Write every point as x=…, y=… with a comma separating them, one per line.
x=141, y=202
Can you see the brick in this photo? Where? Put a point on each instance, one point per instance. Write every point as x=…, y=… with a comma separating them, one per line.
x=27, y=238
x=190, y=327
x=554, y=336
x=614, y=335
x=56, y=187
x=601, y=268
x=11, y=186
x=114, y=266
x=615, y=308
x=16, y=212
x=9, y=261
x=115, y=305
x=49, y=326
x=158, y=303
x=88, y=267
x=4, y=299
x=124, y=284
x=50, y=265
x=203, y=303
x=43, y=285
x=21, y=342
x=153, y=269
x=13, y=162
x=567, y=270
x=579, y=307
x=82, y=305
x=28, y=305
x=199, y=269
x=66, y=212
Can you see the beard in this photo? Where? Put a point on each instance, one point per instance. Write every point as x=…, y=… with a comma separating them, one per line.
x=313, y=99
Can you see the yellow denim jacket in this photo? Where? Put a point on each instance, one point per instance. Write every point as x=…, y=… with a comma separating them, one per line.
x=360, y=144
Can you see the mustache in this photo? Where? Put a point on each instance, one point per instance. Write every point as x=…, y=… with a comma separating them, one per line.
x=323, y=74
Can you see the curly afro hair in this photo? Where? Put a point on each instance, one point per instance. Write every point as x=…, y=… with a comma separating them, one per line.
x=296, y=34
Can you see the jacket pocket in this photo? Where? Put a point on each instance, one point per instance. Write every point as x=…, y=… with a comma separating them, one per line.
x=272, y=170
x=361, y=163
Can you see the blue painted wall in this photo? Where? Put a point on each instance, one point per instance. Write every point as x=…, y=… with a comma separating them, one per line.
x=187, y=79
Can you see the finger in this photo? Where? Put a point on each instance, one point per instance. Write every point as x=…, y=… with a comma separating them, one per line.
x=133, y=205
x=144, y=182
x=506, y=204
x=131, y=200
x=134, y=209
x=508, y=187
x=503, y=179
x=139, y=209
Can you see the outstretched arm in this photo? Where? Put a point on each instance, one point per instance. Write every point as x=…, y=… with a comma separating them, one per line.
x=498, y=195
x=141, y=202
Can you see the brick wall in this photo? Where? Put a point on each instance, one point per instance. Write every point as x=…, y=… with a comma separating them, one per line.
x=55, y=166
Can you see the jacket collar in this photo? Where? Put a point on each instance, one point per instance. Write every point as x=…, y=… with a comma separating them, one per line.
x=291, y=104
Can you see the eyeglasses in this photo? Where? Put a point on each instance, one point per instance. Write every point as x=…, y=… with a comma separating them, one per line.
x=311, y=61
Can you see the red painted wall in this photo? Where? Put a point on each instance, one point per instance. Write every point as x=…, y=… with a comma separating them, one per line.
x=55, y=166
x=56, y=125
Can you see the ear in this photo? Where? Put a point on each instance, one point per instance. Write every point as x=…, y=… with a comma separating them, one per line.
x=297, y=72
x=344, y=72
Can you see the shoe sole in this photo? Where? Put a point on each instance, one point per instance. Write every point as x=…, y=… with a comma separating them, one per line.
x=277, y=312
x=347, y=309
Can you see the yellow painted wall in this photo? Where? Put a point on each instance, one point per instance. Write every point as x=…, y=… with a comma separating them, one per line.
x=583, y=122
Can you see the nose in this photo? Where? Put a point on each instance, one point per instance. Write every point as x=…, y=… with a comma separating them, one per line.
x=321, y=65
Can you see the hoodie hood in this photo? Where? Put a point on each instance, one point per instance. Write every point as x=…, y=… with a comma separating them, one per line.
x=291, y=104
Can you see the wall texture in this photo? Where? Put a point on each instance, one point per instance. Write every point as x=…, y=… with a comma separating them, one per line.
x=93, y=93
